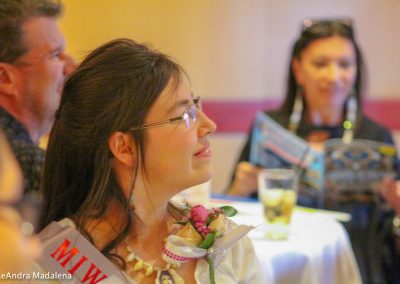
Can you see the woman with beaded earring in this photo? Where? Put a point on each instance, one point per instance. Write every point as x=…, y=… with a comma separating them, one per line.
x=323, y=101
x=129, y=135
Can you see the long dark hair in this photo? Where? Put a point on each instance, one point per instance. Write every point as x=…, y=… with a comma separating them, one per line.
x=112, y=90
x=315, y=31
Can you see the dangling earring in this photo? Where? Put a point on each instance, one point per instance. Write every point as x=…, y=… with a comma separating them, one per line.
x=297, y=111
x=351, y=114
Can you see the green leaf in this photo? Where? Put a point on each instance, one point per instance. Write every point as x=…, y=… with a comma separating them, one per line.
x=229, y=211
x=208, y=241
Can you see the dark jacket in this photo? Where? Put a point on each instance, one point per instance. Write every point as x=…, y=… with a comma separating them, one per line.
x=29, y=156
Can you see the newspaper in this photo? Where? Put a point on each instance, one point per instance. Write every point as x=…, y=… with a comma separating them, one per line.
x=357, y=166
x=273, y=146
x=351, y=167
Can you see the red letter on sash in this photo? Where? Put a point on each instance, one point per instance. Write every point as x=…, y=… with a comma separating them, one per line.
x=77, y=265
x=62, y=250
x=94, y=275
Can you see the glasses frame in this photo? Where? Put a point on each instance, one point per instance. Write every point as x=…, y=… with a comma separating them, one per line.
x=184, y=116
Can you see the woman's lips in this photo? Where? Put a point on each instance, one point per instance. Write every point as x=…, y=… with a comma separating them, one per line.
x=204, y=153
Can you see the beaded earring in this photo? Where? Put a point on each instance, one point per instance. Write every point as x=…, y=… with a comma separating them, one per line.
x=351, y=115
x=297, y=111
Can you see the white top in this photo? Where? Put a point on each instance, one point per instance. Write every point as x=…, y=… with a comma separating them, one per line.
x=240, y=265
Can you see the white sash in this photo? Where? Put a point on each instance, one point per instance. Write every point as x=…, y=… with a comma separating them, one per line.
x=68, y=255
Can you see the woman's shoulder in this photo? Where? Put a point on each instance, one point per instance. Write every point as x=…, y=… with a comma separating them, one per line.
x=372, y=130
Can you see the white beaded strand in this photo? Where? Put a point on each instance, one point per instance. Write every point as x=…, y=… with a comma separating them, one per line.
x=141, y=264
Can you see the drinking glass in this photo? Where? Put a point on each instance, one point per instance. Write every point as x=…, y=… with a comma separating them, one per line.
x=277, y=191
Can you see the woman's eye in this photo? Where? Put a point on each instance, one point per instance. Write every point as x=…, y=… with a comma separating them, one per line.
x=345, y=64
x=319, y=64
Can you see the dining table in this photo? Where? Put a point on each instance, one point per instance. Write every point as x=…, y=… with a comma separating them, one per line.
x=317, y=250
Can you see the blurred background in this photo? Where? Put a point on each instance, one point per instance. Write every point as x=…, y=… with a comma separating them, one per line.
x=236, y=52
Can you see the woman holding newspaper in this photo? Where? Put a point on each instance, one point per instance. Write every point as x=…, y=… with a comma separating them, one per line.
x=128, y=136
x=323, y=102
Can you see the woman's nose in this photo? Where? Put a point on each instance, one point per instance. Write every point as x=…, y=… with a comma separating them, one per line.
x=207, y=125
x=333, y=72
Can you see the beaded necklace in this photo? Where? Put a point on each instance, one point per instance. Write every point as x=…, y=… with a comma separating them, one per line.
x=167, y=273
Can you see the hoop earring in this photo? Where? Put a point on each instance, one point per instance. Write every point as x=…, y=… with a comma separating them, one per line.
x=295, y=117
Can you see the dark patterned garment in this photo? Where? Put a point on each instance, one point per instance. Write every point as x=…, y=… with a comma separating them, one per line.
x=28, y=154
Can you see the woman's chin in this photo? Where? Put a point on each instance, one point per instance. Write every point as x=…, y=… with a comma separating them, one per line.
x=204, y=177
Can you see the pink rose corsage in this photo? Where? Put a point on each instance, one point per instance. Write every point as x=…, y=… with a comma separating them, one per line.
x=203, y=234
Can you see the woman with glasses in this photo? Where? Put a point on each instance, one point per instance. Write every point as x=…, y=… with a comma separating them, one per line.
x=323, y=101
x=129, y=135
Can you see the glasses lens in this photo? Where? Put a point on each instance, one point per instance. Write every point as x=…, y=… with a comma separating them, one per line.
x=190, y=115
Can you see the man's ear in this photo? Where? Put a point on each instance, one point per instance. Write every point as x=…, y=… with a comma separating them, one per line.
x=123, y=149
x=297, y=71
x=7, y=79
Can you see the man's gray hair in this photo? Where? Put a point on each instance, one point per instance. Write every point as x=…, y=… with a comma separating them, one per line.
x=13, y=14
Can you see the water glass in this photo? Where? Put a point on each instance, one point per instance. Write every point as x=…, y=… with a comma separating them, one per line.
x=277, y=191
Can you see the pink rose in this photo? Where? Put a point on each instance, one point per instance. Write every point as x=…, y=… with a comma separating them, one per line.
x=199, y=214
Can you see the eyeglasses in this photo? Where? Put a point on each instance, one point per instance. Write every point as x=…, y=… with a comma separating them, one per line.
x=189, y=116
x=323, y=23
x=29, y=209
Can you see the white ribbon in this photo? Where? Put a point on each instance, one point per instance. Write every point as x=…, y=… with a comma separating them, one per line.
x=179, y=250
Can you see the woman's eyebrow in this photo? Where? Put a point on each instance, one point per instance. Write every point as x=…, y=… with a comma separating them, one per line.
x=180, y=103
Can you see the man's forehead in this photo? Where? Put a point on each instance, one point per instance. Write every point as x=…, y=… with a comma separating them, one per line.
x=43, y=34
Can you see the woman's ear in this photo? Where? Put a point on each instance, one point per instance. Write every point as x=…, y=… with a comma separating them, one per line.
x=297, y=71
x=123, y=149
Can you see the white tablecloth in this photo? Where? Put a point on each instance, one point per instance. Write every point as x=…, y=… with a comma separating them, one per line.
x=317, y=251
